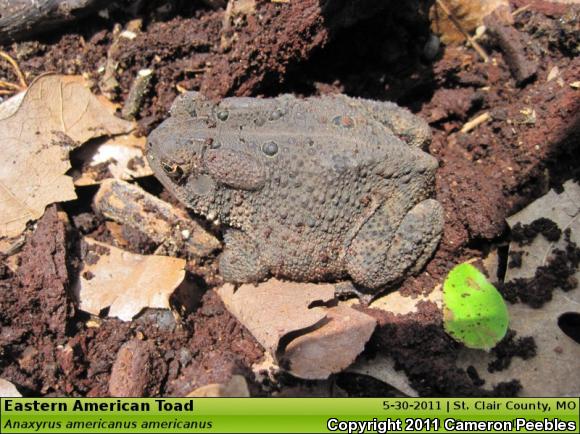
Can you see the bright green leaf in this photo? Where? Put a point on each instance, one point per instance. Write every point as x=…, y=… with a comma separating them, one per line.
x=474, y=311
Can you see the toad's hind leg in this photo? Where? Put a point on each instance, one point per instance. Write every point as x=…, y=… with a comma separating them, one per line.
x=240, y=260
x=381, y=254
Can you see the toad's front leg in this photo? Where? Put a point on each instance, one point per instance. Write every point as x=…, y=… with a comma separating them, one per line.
x=240, y=261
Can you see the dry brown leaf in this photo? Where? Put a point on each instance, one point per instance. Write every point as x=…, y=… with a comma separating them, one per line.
x=125, y=281
x=469, y=13
x=55, y=110
x=554, y=370
x=8, y=390
x=396, y=303
x=564, y=210
x=275, y=308
x=237, y=387
x=321, y=340
x=122, y=155
x=330, y=348
x=382, y=367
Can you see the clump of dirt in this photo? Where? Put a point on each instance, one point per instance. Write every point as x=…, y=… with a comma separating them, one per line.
x=558, y=272
x=36, y=306
x=509, y=347
x=525, y=234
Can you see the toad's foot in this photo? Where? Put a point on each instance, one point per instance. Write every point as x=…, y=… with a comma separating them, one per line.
x=240, y=260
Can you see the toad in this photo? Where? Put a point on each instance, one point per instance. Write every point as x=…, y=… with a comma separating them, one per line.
x=312, y=189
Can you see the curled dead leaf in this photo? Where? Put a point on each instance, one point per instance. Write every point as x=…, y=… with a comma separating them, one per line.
x=330, y=348
x=54, y=115
x=124, y=281
x=275, y=308
x=311, y=342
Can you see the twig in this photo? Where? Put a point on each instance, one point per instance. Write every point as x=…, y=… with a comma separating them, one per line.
x=520, y=10
x=16, y=68
x=475, y=122
x=467, y=36
x=7, y=84
x=138, y=90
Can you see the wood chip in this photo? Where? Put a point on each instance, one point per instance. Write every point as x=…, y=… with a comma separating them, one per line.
x=475, y=122
x=128, y=204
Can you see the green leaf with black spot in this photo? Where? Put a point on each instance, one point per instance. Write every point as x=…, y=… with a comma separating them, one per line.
x=474, y=311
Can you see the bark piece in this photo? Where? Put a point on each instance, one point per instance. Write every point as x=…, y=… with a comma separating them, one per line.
x=44, y=273
x=137, y=92
x=128, y=204
x=513, y=45
x=24, y=18
x=135, y=370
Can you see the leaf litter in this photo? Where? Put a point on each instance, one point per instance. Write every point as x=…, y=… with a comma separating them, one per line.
x=8, y=390
x=290, y=320
x=37, y=131
x=120, y=157
x=125, y=282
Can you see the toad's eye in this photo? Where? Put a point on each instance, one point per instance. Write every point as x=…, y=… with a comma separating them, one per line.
x=173, y=171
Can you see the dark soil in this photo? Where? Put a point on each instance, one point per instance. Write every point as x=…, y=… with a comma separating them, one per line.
x=529, y=145
x=510, y=347
x=558, y=273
